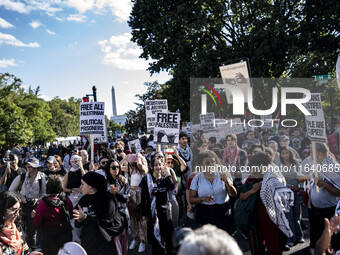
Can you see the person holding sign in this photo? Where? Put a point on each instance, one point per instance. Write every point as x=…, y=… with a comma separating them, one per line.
x=324, y=201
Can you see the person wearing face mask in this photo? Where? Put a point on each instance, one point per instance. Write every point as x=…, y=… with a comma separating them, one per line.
x=12, y=171
x=119, y=147
x=72, y=179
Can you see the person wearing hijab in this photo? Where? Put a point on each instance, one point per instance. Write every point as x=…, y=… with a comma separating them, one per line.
x=98, y=215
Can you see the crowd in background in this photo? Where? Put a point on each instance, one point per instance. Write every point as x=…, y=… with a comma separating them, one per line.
x=147, y=195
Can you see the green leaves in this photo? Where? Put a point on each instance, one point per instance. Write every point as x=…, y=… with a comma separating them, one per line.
x=27, y=118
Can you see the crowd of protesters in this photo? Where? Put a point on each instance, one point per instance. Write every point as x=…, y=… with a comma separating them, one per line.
x=148, y=196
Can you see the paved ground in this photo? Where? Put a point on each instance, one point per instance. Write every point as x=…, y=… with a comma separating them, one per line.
x=300, y=249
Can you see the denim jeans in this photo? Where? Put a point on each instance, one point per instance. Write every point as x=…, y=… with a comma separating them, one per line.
x=293, y=217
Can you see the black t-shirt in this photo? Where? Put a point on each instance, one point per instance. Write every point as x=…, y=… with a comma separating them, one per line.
x=161, y=187
x=86, y=166
x=11, y=176
x=60, y=172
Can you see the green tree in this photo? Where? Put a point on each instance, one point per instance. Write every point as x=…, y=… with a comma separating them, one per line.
x=24, y=116
x=192, y=38
x=66, y=116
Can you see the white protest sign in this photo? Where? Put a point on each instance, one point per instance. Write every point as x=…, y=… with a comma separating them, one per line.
x=166, y=129
x=315, y=123
x=92, y=118
x=237, y=126
x=267, y=121
x=151, y=108
x=98, y=139
x=236, y=74
x=135, y=143
x=118, y=134
x=207, y=122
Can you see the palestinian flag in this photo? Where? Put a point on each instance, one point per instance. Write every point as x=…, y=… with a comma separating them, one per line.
x=276, y=123
x=85, y=143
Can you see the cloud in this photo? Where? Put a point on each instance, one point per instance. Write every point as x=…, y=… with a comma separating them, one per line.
x=120, y=52
x=35, y=24
x=120, y=8
x=15, y=6
x=11, y=40
x=5, y=24
x=81, y=5
x=76, y=18
x=50, y=32
x=4, y=63
x=50, y=7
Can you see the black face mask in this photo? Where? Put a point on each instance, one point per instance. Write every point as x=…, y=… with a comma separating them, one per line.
x=119, y=150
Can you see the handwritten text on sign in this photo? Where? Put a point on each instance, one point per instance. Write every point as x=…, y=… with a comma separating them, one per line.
x=92, y=120
x=315, y=123
x=151, y=108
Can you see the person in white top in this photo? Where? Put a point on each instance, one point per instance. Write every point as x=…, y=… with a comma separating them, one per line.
x=30, y=190
x=135, y=165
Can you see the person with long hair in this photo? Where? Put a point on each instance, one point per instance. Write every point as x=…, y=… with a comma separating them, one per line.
x=135, y=165
x=52, y=217
x=156, y=206
x=269, y=224
x=211, y=191
x=11, y=242
x=119, y=186
x=290, y=168
x=173, y=193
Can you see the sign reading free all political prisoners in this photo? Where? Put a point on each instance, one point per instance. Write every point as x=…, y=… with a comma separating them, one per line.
x=315, y=123
x=151, y=108
x=167, y=128
x=92, y=118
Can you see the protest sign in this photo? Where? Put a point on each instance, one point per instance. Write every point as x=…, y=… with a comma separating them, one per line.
x=98, y=139
x=166, y=129
x=207, y=122
x=236, y=74
x=151, y=108
x=237, y=128
x=315, y=123
x=92, y=118
x=136, y=143
x=267, y=121
x=118, y=134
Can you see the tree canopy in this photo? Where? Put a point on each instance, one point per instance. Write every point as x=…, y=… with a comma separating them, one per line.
x=192, y=38
x=27, y=118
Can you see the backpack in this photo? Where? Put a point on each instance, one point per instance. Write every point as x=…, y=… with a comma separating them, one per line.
x=61, y=203
x=22, y=178
x=244, y=213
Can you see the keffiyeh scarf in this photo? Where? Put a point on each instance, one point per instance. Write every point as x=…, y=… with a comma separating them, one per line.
x=277, y=199
x=231, y=156
x=156, y=230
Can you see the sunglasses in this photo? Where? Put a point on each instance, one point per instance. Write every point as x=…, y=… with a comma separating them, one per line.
x=103, y=162
x=170, y=162
x=114, y=167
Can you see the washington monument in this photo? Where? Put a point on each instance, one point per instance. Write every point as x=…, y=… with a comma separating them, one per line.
x=114, y=108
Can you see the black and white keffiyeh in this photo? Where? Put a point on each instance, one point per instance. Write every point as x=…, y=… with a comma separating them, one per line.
x=277, y=199
x=329, y=170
